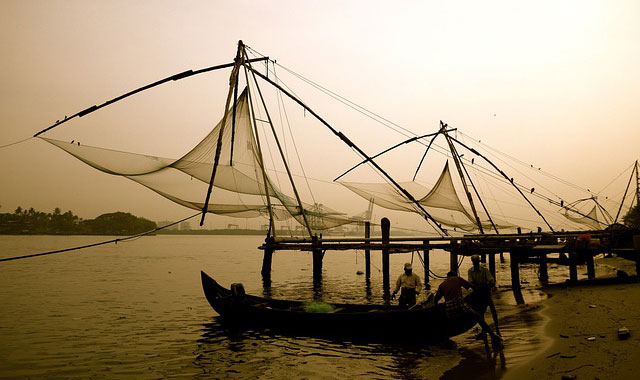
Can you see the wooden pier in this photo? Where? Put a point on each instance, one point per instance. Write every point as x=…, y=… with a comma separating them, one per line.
x=542, y=248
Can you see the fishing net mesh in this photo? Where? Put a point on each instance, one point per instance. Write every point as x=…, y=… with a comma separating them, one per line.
x=241, y=185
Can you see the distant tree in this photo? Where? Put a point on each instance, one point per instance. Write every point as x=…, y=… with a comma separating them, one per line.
x=632, y=219
x=18, y=211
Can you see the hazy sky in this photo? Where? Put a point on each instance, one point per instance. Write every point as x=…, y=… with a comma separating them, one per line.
x=554, y=83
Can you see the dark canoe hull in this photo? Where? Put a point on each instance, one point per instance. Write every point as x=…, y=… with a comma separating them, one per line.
x=421, y=322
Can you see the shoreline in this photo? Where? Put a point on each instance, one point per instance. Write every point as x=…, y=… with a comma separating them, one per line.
x=581, y=327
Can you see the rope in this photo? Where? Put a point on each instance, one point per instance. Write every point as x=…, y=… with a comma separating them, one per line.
x=16, y=142
x=100, y=243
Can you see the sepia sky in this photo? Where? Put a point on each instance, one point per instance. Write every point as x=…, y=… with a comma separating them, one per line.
x=553, y=83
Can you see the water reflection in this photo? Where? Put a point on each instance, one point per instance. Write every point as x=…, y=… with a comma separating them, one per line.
x=267, y=353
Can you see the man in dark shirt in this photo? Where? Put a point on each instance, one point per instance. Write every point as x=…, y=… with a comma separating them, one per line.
x=482, y=281
x=455, y=305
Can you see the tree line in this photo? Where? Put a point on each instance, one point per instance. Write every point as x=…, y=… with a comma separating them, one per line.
x=32, y=222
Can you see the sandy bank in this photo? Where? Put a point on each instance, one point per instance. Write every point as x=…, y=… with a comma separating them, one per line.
x=578, y=313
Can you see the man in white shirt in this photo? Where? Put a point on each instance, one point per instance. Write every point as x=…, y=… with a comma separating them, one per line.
x=410, y=285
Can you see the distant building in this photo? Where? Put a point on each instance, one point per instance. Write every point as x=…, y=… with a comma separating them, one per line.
x=185, y=226
x=166, y=223
x=232, y=226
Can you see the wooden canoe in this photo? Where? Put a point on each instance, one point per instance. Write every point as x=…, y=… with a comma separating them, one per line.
x=424, y=321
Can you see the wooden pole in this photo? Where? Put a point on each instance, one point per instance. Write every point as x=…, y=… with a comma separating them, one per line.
x=515, y=277
x=216, y=159
x=385, y=226
x=544, y=273
x=492, y=265
x=573, y=267
x=267, y=258
x=426, y=264
x=367, y=252
x=453, y=261
x=317, y=258
x=501, y=257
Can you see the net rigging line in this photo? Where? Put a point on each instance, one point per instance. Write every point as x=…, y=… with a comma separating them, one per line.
x=552, y=176
x=15, y=142
x=384, y=121
x=340, y=98
x=295, y=146
x=128, y=238
x=613, y=180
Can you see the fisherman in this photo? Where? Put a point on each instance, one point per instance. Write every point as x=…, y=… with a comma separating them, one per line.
x=456, y=306
x=411, y=286
x=482, y=282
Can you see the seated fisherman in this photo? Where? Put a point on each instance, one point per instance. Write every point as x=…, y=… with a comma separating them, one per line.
x=482, y=281
x=411, y=286
x=455, y=305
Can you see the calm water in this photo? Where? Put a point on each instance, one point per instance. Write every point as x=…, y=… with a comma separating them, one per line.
x=136, y=310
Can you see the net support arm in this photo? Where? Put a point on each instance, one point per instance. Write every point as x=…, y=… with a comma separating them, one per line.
x=503, y=174
x=349, y=143
x=175, y=77
x=388, y=150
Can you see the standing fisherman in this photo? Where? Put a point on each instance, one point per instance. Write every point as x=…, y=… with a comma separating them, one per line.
x=411, y=286
x=482, y=282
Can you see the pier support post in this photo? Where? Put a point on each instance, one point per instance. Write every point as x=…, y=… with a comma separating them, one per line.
x=367, y=252
x=385, y=226
x=515, y=277
x=317, y=258
x=573, y=267
x=453, y=261
x=591, y=267
x=492, y=265
x=426, y=264
x=544, y=273
x=501, y=257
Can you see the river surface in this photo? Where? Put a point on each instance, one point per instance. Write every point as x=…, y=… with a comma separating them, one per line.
x=136, y=310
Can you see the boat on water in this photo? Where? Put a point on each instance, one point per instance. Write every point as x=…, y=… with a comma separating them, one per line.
x=424, y=321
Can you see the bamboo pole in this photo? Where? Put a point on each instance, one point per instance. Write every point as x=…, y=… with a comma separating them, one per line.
x=284, y=159
x=232, y=80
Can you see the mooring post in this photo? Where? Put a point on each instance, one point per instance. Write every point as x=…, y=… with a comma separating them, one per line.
x=267, y=258
x=367, y=252
x=544, y=273
x=317, y=257
x=515, y=277
x=385, y=226
x=573, y=267
x=426, y=263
